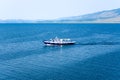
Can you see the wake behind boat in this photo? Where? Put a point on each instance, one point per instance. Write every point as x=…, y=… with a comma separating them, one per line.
x=58, y=41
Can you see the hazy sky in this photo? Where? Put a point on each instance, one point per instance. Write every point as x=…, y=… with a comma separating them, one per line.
x=51, y=9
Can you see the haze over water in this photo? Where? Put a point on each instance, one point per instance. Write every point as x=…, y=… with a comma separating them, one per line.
x=95, y=56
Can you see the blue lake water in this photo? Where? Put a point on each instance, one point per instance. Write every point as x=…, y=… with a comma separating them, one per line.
x=96, y=55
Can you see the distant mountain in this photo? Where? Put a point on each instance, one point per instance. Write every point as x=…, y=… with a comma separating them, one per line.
x=17, y=21
x=108, y=16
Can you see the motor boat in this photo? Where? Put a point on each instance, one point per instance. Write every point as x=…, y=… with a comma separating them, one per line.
x=58, y=41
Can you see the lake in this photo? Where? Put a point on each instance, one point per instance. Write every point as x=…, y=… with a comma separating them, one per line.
x=95, y=56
